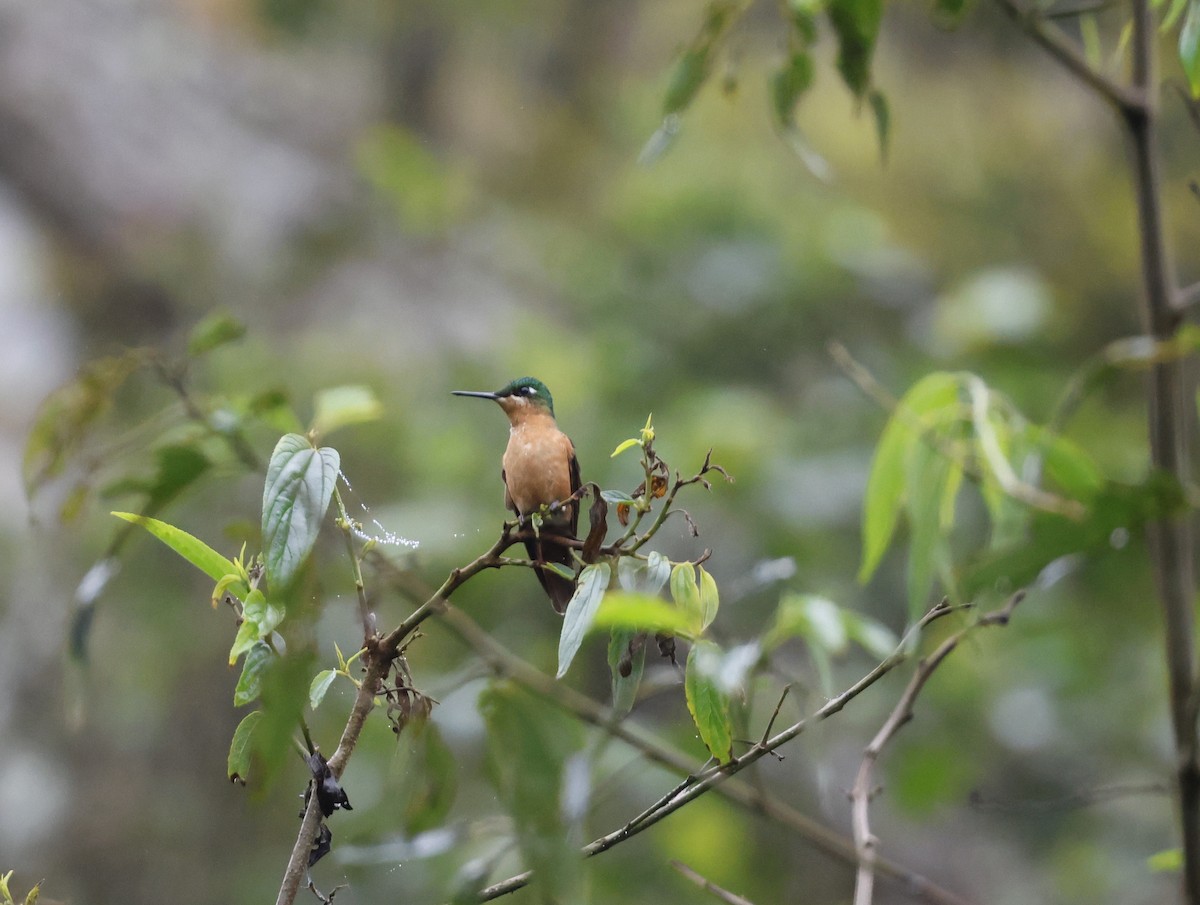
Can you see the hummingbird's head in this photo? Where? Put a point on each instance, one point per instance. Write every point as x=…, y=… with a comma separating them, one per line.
x=523, y=395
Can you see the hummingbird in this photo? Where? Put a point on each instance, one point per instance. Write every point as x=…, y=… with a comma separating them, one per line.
x=539, y=469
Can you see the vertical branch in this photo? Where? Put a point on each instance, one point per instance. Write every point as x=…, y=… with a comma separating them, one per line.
x=1170, y=535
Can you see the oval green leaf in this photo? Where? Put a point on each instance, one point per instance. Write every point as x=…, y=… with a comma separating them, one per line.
x=320, y=684
x=249, y=686
x=241, y=747
x=300, y=483
x=707, y=704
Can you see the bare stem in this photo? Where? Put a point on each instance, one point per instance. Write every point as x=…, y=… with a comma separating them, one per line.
x=718, y=779
x=863, y=790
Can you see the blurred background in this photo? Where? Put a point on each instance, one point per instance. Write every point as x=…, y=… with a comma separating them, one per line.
x=421, y=197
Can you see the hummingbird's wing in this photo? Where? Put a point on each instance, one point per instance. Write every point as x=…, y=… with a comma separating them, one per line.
x=573, y=467
x=508, y=500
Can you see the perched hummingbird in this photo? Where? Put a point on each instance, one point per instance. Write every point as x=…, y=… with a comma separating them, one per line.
x=540, y=469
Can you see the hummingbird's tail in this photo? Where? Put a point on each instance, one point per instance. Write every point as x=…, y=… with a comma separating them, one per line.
x=557, y=588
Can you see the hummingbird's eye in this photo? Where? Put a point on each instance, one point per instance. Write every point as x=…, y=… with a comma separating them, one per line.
x=528, y=391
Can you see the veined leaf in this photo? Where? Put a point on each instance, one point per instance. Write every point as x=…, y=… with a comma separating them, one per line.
x=300, y=483
x=581, y=611
x=706, y=702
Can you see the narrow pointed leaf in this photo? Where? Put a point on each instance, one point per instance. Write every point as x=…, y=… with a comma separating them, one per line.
x=581, y=611
x=300, y=483
x=886, y=485
x=194, y=550
x=709, y=599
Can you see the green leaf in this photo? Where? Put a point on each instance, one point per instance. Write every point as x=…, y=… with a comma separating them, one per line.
x=581, y=611
x=67, y=415
x=616, y=496
x=300, y=483
x=242, y=745
x=320, y=684
x=284, y=694
x=1167, y=861
x=931, y=476
x=195, y=551
x=706, y=702
x=249, y=686
x=646, y=577
x=856, y=23
x=1189, y=47
x=339, y=407
x=622, y=446
x=686, y=593
x=788, y=85
x=214, y=331
x=559, y=569
x=934, y=394
x=816, y=619
x=709, y=599
x=872, y=636
x=626, y=651
x=177, y=466
x=883, y=120
x=637, y=611
x=949, y=13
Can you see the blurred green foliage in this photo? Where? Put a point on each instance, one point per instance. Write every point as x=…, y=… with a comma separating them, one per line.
x=705, y=288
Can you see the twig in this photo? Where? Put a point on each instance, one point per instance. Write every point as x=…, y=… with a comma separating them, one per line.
x=380, y=652
x=1170, y=535
x=718, y=780
x=863, y=790
x=709, y=886
x=1055, y=41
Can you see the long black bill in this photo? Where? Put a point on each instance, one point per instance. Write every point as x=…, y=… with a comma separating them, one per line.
x=473, y=393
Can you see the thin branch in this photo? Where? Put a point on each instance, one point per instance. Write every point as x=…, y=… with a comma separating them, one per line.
x=863, y=790
x=380, y=652
x=709, y=886
x=1056, y=42
x=719, y=780
x=1188, y=296
x=1170, y=536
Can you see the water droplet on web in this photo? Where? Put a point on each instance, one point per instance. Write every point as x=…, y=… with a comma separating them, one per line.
x=385, y=536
